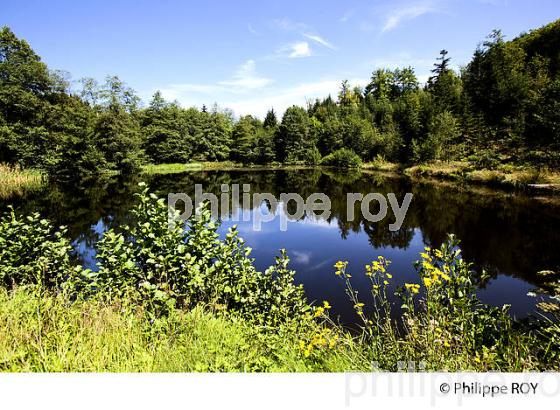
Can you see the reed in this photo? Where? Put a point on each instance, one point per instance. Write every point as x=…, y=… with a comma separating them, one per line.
x=15, y=181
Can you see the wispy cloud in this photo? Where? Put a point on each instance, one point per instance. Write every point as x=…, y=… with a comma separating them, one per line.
x=406, y=12
x=301, y=48
x=319, y=40
x=346, y=16
x=252, y=29
x=400, y=60
x=290, y=25
x=244, y=80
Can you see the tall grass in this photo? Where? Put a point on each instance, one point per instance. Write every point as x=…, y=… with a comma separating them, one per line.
x=43, y=332
x=14, y=181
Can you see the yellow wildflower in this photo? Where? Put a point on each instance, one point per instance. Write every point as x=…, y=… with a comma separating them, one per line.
x=428, y=282
x=412, y=287
x=326, y=305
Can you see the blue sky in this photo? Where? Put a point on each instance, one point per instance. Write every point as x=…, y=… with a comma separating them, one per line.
x=253, y=55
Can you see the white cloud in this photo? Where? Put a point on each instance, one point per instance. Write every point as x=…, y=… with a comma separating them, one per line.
x=298, y=49
x=246, y=78
x=407, y=12
x=318, y=39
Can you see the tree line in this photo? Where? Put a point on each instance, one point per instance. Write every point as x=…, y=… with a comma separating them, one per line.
x=503, y=106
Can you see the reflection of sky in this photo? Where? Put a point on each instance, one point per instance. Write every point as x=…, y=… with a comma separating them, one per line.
x=314, y=245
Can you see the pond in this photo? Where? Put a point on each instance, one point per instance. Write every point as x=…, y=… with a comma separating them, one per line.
x=510, y=235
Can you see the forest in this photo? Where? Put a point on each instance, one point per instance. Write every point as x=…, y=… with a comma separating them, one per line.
x=503, y=107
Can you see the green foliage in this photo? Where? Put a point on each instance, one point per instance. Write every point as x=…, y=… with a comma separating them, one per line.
x=295, y=136
x=164, y=266
x=165, y=132
x=32, y=251
x=342, y=158
x=442, y=142
x=444, y=325
x=245, y=139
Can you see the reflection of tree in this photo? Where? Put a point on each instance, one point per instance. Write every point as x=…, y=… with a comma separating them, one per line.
x=511, y=234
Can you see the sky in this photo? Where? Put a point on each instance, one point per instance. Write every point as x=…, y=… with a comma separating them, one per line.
x=250, y=56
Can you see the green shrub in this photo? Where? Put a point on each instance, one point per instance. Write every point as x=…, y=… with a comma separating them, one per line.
x=342, y=158
x=443, y=324
x=164, y=266
x=32, y=251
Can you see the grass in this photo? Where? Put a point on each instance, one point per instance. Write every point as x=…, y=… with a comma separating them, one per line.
x=15, y=182
x=46, y=333
x=507, y=176
x=381, y=165
x=152, y=169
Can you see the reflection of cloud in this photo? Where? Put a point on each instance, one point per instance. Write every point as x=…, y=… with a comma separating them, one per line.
x=320, y=265
x=321, y=223
x=302, y=257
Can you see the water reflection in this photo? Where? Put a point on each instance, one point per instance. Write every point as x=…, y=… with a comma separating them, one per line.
x=511, y=235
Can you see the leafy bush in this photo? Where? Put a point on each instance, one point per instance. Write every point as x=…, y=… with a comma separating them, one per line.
x=342, y=158
x=312, y=156
x=32, y=252
x=165, y=266
x=443, y=324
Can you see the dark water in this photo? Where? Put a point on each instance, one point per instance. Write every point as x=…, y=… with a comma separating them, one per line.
x=510, y=235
